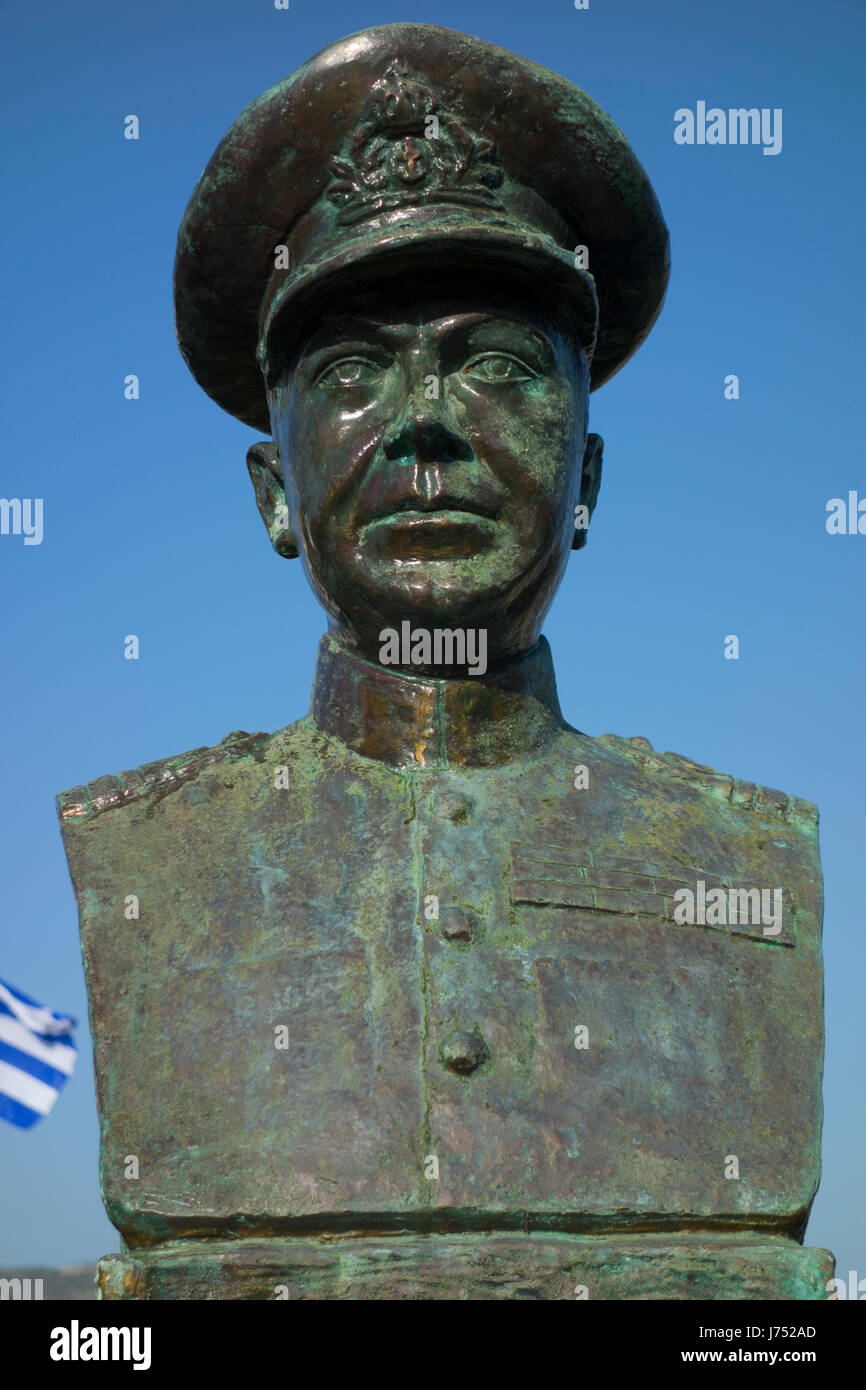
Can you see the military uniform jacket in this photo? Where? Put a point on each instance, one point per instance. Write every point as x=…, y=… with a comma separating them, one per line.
x=422, y=960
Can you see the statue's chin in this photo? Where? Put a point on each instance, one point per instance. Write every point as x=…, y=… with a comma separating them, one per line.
x=503, y=639
x=505, y=595
x=426, y=602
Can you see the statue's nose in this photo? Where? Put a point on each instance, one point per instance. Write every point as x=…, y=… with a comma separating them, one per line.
x=426, y=427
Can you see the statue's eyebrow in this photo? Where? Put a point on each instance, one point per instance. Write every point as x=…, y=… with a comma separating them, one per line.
x=359, y=329
x=459, y=326
x=466, y=329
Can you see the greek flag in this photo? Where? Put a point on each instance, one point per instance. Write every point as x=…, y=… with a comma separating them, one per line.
x=37, y=1054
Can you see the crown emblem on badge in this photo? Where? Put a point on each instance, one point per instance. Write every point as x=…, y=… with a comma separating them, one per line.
x=406, y=149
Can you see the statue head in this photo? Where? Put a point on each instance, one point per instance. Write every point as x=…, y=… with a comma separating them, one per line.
x=427, y=329
x=429, y=458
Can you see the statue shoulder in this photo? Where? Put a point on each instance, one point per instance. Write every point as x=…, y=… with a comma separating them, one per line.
x=719, y=785
x=156, y=779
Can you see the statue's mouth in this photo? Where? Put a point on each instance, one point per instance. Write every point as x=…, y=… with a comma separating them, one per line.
x=447, y=505
x=430, y=533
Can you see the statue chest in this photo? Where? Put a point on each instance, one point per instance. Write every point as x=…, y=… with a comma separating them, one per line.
x=452, y=996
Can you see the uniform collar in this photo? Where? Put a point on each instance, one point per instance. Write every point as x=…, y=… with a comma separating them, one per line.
x=478, y=721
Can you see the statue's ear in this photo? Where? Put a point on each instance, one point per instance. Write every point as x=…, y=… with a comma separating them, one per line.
x=266, y=472
x=590, y=482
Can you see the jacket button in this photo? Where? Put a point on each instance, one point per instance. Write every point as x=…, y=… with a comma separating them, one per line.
x=463, y=1053
x=457, y=926
x=451, y=805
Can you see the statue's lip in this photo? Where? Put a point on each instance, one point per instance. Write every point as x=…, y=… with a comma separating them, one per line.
x=417, y=508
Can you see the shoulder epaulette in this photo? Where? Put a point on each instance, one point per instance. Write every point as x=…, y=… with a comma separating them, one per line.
x=161, y=776
x=720, y=784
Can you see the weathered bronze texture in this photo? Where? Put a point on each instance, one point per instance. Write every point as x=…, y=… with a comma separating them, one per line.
x=459, y=1266
x=412, y=1008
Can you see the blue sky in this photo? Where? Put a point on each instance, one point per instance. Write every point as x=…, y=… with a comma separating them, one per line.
x=711, y=518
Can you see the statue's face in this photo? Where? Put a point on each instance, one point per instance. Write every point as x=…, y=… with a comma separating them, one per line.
x=432, y=464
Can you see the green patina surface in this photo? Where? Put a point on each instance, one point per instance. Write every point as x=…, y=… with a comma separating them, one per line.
x=475, y=1267
x=299, y=906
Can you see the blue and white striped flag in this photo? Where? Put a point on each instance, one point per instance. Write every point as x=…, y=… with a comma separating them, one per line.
x=37, y=1054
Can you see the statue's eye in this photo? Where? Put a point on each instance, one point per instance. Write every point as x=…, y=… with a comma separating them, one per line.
x=348, y=371
x=495, y=368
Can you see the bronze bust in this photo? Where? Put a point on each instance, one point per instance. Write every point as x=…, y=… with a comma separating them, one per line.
x=429, y=994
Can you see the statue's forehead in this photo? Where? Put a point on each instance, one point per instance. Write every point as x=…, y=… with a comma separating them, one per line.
x=399, y=326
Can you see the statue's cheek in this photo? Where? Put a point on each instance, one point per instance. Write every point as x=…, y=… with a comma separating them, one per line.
x=533, y=438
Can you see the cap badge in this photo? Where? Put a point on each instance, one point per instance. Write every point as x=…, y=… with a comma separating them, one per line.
x=406, y=149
